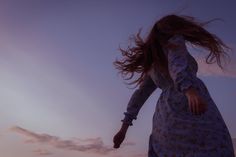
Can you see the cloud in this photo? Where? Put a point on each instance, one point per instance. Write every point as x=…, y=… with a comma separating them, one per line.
x=205, y=69
x=42, y=152
x=94, y=145
x=128, y=144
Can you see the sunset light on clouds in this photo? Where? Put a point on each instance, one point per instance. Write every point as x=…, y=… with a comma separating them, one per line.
x=60, y=94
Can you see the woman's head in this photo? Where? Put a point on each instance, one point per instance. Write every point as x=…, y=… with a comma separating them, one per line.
x=148, y=52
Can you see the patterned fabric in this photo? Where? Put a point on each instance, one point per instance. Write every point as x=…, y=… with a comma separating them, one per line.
x=176, y=132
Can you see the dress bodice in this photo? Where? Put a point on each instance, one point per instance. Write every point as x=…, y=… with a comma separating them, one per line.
x=164, y=81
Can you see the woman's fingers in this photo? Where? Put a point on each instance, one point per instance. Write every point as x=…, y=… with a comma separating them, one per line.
x=117, y=142
x=200, y=107
x=190, y=102
x=118, y=139
x=196, y=105
x=193, y=105
x=203, y=106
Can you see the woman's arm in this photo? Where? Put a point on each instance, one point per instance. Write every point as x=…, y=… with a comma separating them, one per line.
x=136, y=101
x=184, y=80
x=120, y=135
x=138, y=98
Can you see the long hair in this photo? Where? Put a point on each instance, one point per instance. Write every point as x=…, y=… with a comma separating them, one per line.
x=138, y=59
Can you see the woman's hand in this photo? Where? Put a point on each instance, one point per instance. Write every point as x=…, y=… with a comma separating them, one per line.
x=196, y=104
x=120, y=136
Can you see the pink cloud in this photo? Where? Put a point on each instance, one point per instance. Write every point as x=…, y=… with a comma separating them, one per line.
x=94, y=145
x=42, y=152
x=205, y=69
x=127, y=144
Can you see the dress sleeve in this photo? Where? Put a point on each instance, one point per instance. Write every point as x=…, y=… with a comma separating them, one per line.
x=177, y=53
x=138, y=98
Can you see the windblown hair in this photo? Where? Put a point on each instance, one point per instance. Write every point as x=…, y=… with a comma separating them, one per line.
x=148, y=52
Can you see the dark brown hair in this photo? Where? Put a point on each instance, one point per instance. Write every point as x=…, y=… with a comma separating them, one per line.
x=140, y=58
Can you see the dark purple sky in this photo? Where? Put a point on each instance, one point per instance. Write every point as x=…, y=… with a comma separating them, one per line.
x=57, y=75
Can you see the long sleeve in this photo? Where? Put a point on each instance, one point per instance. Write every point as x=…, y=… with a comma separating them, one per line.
x=178, y=64
x=137, y=99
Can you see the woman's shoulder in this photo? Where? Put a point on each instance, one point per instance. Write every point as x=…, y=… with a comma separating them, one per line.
x=176, y=39
x=175, y=42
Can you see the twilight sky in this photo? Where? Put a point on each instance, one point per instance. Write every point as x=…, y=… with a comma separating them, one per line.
x=60, y=94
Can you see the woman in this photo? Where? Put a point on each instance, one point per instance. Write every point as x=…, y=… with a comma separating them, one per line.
x=186, y=122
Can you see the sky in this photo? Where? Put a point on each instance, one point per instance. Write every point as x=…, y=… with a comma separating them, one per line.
x=60, y=94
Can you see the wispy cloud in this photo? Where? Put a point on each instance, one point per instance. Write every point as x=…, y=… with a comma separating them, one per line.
x=205, y=69
x=94, y=145
x=42, y=152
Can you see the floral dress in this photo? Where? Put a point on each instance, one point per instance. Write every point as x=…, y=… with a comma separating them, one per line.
x=176, y=132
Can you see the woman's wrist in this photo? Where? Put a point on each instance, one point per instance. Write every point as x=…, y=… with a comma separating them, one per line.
x=124, y=127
